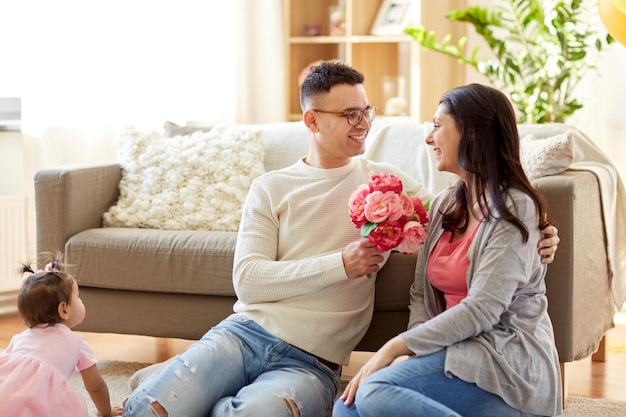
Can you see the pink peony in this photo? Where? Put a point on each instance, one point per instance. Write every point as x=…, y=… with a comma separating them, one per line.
x=420, y=210
x=414, y=236
x=357, y=205
x=385, y=182
x=408, y=206
x=381, y=206
x=386, y=236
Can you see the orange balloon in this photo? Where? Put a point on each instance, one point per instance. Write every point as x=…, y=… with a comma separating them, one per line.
x=620, y=5
x=614, y=20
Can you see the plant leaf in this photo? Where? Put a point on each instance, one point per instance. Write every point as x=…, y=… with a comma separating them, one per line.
x=367, y=228
x=541, y=50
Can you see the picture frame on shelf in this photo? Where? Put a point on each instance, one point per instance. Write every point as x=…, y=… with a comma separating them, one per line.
x=392, y=17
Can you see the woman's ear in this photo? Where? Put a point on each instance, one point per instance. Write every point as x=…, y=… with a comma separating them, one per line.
x=63, y=311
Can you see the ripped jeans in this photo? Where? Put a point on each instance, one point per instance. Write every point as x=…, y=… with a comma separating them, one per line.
x=238, y=368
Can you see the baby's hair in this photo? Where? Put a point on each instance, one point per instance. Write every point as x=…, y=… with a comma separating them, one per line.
x=42, y=292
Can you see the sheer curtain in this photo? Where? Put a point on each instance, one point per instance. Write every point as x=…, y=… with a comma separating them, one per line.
x=261, y=78
x=86, y=69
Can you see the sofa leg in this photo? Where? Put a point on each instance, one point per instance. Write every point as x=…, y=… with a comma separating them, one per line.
x=600, y=355
x=564, y=387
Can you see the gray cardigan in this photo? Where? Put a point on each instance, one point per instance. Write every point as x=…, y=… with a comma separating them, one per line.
x=500, y=336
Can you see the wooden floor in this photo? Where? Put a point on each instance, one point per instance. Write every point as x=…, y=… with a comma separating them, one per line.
x=586, y=378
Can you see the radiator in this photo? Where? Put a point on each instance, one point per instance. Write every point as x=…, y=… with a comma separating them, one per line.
x=13, y=240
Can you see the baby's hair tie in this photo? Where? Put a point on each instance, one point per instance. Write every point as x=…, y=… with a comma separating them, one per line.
x=48, y=267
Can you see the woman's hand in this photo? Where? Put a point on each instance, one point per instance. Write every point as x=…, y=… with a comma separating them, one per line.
x=384, y=357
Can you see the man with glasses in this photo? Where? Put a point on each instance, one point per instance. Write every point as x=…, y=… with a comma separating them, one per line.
x=300, y=273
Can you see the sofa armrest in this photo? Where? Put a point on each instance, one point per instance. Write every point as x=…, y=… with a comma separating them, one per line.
x=69, y=200
x=578, y=282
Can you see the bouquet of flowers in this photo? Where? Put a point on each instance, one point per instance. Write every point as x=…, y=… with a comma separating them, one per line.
x=388, y=216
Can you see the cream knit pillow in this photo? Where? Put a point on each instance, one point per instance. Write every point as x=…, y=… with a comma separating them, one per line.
x=193, y=182
x=546, y=156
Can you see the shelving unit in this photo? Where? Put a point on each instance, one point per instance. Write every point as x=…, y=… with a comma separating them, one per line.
x=379, y=58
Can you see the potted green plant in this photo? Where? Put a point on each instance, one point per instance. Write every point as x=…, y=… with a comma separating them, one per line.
x=541, y=50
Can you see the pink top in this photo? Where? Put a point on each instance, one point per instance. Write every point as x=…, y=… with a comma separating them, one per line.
x=57, y=345
x=447, y=266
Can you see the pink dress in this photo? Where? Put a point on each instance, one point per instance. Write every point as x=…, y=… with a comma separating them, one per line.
x=35, y=370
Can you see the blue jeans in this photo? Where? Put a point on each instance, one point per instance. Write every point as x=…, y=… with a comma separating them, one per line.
x=419, y=387
x=238, y=368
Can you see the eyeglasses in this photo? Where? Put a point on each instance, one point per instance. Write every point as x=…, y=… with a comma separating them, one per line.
x=355, y=116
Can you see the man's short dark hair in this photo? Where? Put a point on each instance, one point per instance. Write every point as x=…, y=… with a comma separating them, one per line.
x=323, y=76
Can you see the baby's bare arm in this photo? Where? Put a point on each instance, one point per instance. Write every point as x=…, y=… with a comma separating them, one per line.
x=99, y=392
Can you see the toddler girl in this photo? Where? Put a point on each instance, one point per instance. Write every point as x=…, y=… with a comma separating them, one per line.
x=36, y=366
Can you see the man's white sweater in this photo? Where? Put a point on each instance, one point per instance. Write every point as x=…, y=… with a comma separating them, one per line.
x=288, y=270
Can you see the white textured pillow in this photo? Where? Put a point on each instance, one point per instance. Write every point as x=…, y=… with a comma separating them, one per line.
x=546, y=156
x=193, y=182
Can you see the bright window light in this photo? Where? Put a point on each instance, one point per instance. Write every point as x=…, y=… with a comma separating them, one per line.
x=142, y=62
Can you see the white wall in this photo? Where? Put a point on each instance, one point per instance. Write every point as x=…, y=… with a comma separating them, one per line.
x=603, y=117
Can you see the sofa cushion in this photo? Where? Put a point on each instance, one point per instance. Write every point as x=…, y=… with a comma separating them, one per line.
x=546, y=156
x=187, y=262
x=193, y=182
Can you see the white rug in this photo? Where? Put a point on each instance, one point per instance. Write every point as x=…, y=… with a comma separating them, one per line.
x=117, y=374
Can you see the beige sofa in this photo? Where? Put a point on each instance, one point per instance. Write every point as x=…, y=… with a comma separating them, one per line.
x=178, y=283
